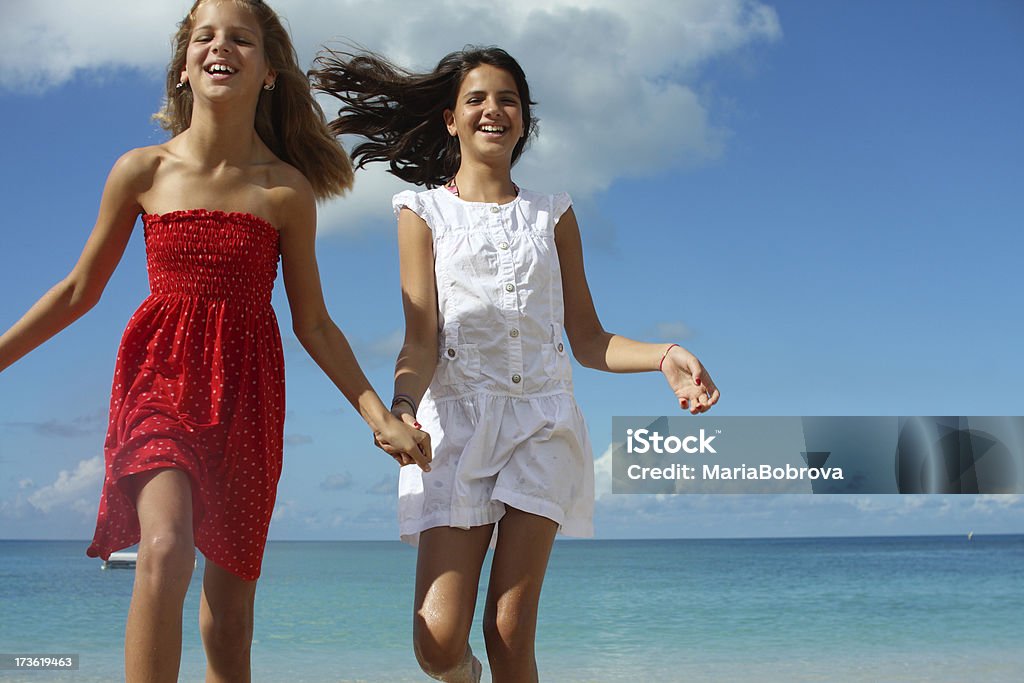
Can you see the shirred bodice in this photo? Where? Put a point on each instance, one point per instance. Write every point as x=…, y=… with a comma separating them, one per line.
x=211, y=254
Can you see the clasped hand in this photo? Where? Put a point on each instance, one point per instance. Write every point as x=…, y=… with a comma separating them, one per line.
x=689, y=381
x=401, y=438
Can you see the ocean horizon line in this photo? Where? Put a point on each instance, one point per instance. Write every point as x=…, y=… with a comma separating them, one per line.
x=561, y=539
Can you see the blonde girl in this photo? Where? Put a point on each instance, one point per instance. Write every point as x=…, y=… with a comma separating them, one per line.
x=194, y=445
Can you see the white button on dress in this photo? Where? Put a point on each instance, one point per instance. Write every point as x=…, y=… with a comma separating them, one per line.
x=504, y=425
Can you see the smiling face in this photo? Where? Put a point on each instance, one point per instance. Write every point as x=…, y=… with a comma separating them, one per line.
x=488, y=114
x=225, y=52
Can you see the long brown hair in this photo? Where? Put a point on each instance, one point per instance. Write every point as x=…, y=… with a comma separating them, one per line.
x=288, y=119
x=400, y=113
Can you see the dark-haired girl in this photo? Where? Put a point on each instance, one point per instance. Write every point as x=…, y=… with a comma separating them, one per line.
x=194, y=444
x=492, y=274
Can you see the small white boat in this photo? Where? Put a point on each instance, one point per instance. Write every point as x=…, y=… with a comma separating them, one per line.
x=970, y=535
x=123, y=559
x=126, y=559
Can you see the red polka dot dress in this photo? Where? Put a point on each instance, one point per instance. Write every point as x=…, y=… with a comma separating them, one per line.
x=199, y=385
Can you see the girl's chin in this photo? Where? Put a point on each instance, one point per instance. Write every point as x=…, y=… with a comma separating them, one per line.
x=492, y=150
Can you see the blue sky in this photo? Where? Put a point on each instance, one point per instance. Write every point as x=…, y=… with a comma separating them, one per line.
x=821, y=199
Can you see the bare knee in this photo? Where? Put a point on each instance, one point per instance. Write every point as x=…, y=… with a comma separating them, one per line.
x=167, y=553
x=228, y=633
x=509, y=632
x=166, y=560
x=437, y=653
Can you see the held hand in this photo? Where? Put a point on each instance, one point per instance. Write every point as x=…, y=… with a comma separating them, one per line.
x=688, y=379
x=402, y=439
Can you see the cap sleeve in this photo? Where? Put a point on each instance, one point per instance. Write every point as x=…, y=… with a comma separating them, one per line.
x=560, y=204
x=414, y=202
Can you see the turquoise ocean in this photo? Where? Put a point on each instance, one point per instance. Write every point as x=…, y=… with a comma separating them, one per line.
x=821, y=609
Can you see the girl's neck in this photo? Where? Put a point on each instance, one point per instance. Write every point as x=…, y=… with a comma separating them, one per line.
x=481, y=183
x=215, y=139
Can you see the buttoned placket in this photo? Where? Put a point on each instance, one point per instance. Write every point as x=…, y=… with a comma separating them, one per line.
x=508, y=281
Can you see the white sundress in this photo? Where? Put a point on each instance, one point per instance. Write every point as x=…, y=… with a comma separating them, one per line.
x=503, y=422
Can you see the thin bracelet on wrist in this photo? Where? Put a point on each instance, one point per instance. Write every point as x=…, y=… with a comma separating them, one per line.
x=403, y=398
x=665, y=355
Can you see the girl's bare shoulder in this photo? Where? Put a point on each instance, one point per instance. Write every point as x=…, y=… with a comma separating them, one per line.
x=282, y=175
x=139, y=167
x=291, y=192
x=132, y=175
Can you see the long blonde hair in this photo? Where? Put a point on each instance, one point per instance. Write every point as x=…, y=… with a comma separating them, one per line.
x=288, y=119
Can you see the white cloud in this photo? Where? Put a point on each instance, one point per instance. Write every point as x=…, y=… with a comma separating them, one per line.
x=45, y=44
x=716, y=515
x=369, y=201
x=603, y=474
x=297, y=440
x=997, y=504
x=77, y=489
x=337, y=482
x=285, y=510
x=387, y=485
x=618, y=84
x=13, y=509
x=673, y=330
x=869, y=504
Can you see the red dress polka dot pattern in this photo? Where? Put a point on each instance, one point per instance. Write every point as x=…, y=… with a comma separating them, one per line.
x=199, y=385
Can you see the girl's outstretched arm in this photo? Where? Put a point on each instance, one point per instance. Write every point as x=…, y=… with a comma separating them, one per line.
x=596, y=348
x=418, y=358
x=322, y=339
x=73, y=296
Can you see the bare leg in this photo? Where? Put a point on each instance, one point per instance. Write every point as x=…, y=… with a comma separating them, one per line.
x=152, y=643
x=226, y=622
x=517, y=574
x=447, y=579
